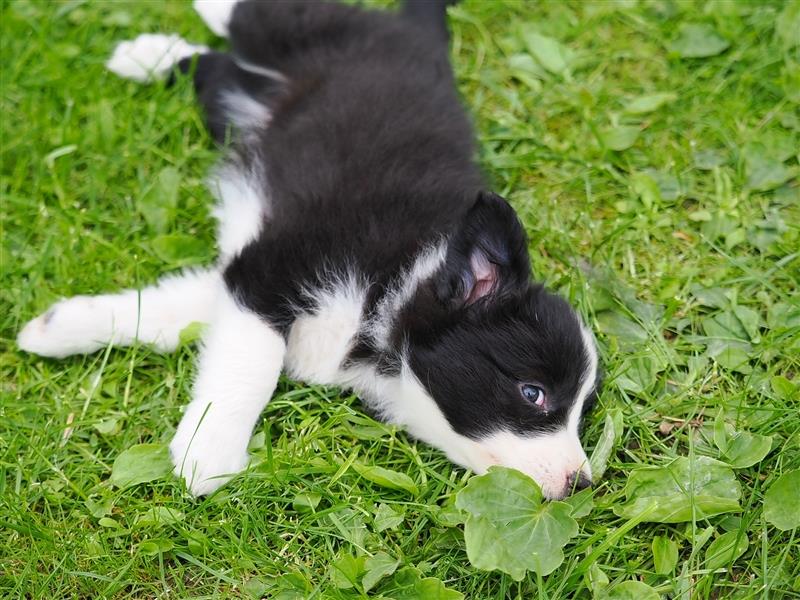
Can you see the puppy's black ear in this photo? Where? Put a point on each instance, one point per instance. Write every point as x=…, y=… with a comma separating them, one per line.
x=487, y=258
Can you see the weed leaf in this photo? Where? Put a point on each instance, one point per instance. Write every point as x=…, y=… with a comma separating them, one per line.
x=782, y=502
x=649, y=103
x=620, y=138
x=387, y=478
x=409, y=585
x=549, y=53
x=683, y=490
x=140, y=464
x=665, y=554
x=631, y=590
x=726, y=549
x=698, y=40
x=378, y=566
x=510, y=528
x=612, y=432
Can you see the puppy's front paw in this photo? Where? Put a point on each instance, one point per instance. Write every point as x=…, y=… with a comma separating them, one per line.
x=150, y=56
x=207, y=456
x=72, y=326
x=216, y=14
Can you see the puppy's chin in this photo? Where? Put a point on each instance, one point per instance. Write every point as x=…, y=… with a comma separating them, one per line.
x=555, y=460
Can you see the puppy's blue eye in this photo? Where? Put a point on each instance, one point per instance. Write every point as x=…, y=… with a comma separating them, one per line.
x=533, y=394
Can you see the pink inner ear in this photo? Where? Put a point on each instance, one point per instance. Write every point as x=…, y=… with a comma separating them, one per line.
x=485, y=274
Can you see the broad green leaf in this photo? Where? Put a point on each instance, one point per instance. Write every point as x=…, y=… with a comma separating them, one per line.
x=551, y=54
x=612, y=432
x=650, y=102
x=346, y=570
x=639, y=374
x=680, y=491
x=387, y=478
x=665, y=554
x=787, y=24
x=724, y=550
x=350, y=525
x=157, y=516
x=179, y=249
x=377, y=567
x=510, y=528
x=746, y=449
x=624, y=329
x=725, y=326
x=782, y=502
x=598, y=580
x=140, y=464
x=767, y=174
x=698, y=40
x=646, y=188
x=387, y=517
x=408, y=584
x=619, y=138
x=740, y=449
x=731, y=355
x=108, y=426
x=706, y=160
x=716, y=297
x=155, y=546
x=158, y=203
x=632, y=590
x=306, y=502
x=581, y=503
x=101, y=507
x=783, y=388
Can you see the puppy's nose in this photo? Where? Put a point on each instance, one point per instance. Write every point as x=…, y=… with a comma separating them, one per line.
x=577, y=481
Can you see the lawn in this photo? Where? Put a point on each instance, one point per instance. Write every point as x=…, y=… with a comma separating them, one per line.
x=651, y=149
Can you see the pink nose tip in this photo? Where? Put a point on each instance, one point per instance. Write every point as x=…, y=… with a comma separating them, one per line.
x=576, y=482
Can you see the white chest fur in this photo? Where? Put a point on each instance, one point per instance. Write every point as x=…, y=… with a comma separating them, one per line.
x=320, y=341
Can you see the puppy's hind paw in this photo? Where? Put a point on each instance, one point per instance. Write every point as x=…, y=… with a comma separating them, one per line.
x=204, y=464
x=68, y=327
x=150, y=56
x=216, y=14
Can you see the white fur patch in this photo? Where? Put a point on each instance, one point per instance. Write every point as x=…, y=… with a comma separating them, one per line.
x=216, y=14
x=549, y=458
x=319, y=342
x=242, y=207
x=150, y=56
x=244, y=111
x=238, y=370
x=425, y=265
x=155, y=315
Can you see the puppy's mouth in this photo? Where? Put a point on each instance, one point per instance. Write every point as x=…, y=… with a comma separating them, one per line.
x=554, y=460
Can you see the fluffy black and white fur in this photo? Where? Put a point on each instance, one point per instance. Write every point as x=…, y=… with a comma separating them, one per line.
x=358, y=248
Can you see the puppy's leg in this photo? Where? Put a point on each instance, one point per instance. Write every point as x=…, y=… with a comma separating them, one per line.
x=431, y=14
x=150, y=56
x=239, y=365
x=155, y=315
x=216, y=14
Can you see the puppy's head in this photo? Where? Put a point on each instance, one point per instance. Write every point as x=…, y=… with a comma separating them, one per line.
x=511, y=367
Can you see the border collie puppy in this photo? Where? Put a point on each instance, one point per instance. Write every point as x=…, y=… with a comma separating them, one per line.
x=358, y=247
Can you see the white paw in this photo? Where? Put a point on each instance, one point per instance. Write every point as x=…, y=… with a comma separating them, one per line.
x=216, y=14
x=209, y=455
x=69, y=327
x=150, y=56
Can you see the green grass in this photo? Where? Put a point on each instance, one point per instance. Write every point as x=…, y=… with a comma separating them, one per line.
x=657, y=244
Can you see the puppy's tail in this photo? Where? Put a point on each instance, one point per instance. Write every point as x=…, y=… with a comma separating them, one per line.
x=431, y=14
